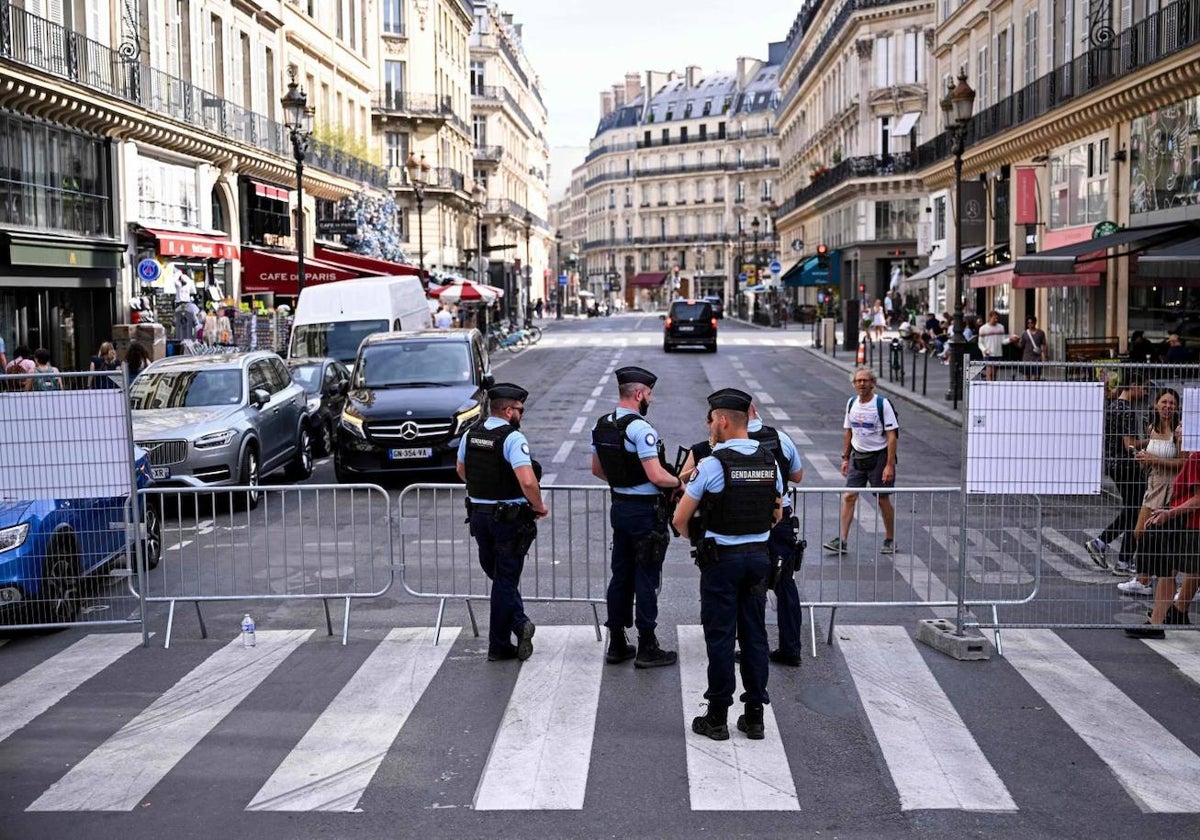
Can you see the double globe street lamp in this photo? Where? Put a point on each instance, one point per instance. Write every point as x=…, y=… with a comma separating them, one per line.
x=957, y=105
x=298, y=120
x=418, y=177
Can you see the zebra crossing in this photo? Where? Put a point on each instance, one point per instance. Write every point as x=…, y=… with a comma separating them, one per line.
x=542, y=749
x=610, y=340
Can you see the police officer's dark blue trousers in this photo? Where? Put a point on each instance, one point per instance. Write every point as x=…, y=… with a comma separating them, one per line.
x=502, y=564
x=634, y=572
x=782, y=544
x=733, y=605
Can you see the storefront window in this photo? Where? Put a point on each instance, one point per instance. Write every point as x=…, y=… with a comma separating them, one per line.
x=53, y=179
x=1164, y=156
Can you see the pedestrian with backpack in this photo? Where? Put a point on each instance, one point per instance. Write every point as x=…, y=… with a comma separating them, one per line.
x=872, y=433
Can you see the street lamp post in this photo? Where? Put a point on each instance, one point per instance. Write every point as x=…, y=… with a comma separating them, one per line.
x=418, y=176
x=737, y=268
x=298, y=122
x=957, y=106
x=528, y=220
x=480, y=195
x=558, y=284
x=757, y=270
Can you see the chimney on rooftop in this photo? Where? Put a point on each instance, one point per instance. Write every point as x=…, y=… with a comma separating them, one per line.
x=633, y=86
x=692, y=73
x=606, y=103
x=618, y=94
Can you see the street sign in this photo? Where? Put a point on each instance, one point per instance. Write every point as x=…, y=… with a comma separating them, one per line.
x=149, y=270
x=337, y=227
x=742, y=277
x=797, y=244
x=775, y=266
x=562, y=279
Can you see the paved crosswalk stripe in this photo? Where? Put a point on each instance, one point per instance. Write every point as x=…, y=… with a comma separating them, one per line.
x=986, y=563
x=1182, y=650
x=823, y=466
x=39, y=688
x=333, y=763
x=799, y=437
x=1155, y=768
x=121, y=771
x=931, y=755
x=540, y=757
x=1090, y=574
x=738, y=774
x=563, y=451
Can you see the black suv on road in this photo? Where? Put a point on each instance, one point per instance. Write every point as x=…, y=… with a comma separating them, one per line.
x=412, y=397
x=690, y=322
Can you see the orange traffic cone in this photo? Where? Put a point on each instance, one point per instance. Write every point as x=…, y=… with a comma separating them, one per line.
x=861, y=358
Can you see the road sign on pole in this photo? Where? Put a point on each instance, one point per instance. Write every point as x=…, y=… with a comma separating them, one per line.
x=775, y=266
x=562, y=279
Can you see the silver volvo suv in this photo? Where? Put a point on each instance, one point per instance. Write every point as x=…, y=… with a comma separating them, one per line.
x=209, y=421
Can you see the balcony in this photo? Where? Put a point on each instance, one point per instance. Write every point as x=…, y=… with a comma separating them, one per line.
x=871, y=166
x=403, y=103
x=489, y=154
x=48, y=47
x=513, y=211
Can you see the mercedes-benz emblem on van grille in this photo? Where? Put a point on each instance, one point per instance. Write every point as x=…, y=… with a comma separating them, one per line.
x=409, y=430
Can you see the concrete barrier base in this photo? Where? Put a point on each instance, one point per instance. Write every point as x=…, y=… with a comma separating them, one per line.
x=941, y=635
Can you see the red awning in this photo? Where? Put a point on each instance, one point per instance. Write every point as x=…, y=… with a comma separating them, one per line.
x=652, y=278
x=193, y=245
x=997, y=276
x=364, y=264
x=270, y=271
x=1003, y=274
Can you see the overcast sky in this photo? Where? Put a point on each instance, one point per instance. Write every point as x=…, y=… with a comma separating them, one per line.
x=581, y=47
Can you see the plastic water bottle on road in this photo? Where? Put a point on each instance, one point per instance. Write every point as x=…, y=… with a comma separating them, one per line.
x=247, y=631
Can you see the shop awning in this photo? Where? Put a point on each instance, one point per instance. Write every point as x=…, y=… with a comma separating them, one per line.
x=1066, y=259
x=792, y=270
x=363, y=263
x=810, y=274
x=936, y=268
x=997, y=276
x=648, y=278
x=196, y=246
x=1002, y=274
x=272, y=271
x=1175, y=262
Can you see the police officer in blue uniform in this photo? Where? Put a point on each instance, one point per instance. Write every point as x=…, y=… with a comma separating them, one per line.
x=785, y=550
x=627, y=453
x=503, y=500
x=737, y=493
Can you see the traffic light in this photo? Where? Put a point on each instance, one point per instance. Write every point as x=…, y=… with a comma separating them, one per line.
x=822, y=256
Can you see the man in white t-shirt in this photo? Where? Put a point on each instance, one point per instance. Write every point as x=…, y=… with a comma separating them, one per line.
x=868, y=457
x=991, y=341
x=443, y=320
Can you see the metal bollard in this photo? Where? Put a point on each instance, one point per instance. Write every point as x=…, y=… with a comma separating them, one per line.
x=896, y=361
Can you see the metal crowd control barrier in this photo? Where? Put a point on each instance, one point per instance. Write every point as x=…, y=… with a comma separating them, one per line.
x=309, y=542
x=568, y=561
x=69, y=533
x=930, y=561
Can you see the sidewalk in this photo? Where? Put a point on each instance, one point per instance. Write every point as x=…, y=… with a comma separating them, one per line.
x=935, y=389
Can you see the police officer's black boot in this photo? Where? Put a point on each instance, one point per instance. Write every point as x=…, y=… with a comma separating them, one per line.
x=619, y=649
x=752, y=722
x=713, y=724
x=650, y=655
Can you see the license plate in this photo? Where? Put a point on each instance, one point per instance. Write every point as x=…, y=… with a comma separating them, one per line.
x=409, y=454
x=687, y=329
x=160, y=473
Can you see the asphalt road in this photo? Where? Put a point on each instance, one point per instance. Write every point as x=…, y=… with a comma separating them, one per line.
x=1072, y=733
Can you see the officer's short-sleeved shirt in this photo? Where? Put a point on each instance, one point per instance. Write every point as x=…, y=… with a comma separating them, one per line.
x=516, y=452
x=867, y=428
x=640, y=437
x=710, y=478
x=790, y=454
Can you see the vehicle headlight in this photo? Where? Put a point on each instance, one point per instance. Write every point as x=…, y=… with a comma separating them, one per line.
x=13, y=537
x=314, y=405
x=353, y=423
x=464, y=417
x=215, y=440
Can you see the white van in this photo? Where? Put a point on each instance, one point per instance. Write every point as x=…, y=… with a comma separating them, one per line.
x=332, y=319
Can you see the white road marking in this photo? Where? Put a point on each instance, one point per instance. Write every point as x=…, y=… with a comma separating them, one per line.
x=577, y=426
x=778, y=413
x=43, y=685
x=1182, y=650
x=598, y=390
x=824, y=467
x=763, y=398
x=589, y=405
x=986, y=563
x=753, y=384
x=1066, y=568
x=927, y=585
x=331, y=766
x=178, y=545
x=604, y=378
x=563, y=451
x=118, y=774
x=548, y=479
x=931, y=755
x=738, y=774
x=798, y=436
x=541, y=754
x=1156, y=769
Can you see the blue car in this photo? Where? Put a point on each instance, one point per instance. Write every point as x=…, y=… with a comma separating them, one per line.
x=48, y=546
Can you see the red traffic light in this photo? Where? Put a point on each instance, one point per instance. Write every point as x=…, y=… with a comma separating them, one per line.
x=822, y=250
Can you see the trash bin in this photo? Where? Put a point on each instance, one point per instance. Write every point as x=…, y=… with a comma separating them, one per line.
x=850, y=331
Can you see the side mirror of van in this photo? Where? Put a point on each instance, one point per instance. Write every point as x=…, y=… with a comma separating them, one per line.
x=489, y=381
x=259, y=397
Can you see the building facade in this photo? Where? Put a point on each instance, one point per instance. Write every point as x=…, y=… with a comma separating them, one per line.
x=512, y=159
x=681, y=185
x=148, y=135
x=856, y=106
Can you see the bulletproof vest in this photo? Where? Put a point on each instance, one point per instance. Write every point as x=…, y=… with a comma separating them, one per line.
x=701, y=450
x=747, y=504
x=768, y=439
x=489, y=476
x=621, y=467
